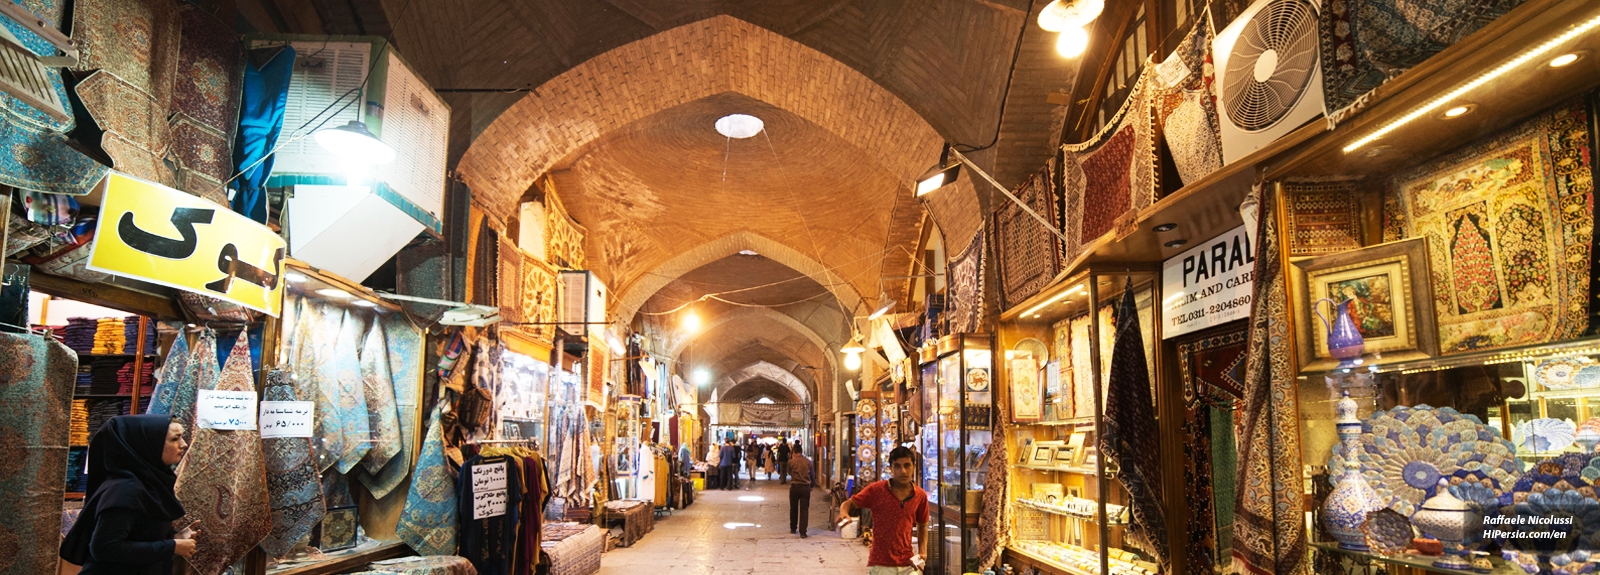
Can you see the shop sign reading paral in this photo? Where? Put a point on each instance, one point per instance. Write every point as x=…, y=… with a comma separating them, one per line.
x=1207, y=285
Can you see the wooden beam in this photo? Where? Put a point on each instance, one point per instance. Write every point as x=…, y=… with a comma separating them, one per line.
x=107, y=295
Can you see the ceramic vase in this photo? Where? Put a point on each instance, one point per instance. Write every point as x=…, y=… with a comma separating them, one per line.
x=1352, y=499
x=1448, y=519
x=1344, y=339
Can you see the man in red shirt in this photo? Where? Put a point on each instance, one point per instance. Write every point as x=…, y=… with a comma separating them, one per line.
x=896, y=505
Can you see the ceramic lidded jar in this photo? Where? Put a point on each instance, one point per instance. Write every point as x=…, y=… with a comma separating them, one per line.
x=1448, y=519
x=1352, y=499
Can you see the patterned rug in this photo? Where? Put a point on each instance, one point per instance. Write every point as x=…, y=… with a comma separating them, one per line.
x=1129, y=436
x=1323, y=218
x=222, y=481
x=1112, y=173
x=173, y=371
x=1029, y=254
x=508, y=276
x=135, y=40
x=202, y=374
x=1509, y=222
x=1212, y=369
x=428, y=522
x=1365, y=43
x=350, y=413
x=210, y=73
x=203, y=159
x=382, y=418
x=121, y=107
x=1082, y=369
x=538, y=298
x=293, y=491
x=965, y=303
x=405, y=353
x=1186, y=108
x=1269, y=535
x=36, y=381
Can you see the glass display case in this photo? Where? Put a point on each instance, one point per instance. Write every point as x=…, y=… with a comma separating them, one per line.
x=1070, y=512
x=954, y=408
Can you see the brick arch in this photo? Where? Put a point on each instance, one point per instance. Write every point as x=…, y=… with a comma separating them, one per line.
x=825, y=379
x=677, y=66
x=767, y=371
x=635, y=295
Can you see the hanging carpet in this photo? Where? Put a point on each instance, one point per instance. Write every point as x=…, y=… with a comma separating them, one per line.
x=36, y=381
x=1129, y=436
x=405, y=354
x=37, y=155
x=351, y=414
x=222, y=481
x=173, y=372
x=428, y=522
x=202, y=374
x=293, y=490
x=966, y=288
x=1113, y=173
x=1322, y=218
x=1186, y=105
x=1027, y=251
x=1212, y=368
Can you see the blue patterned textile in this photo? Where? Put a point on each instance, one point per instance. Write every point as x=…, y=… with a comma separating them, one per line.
x=406, y=355
x=203, y=373
x=34, y=154
x=428, y=522
x=351, y=415
x=293, y=490
x=172, y=372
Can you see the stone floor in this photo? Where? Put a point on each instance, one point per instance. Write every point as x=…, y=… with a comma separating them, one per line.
x=743, y=532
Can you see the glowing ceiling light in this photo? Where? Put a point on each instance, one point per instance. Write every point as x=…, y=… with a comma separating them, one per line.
x=294, y=277
x=888, y=305
x=691, y=321
x=1072, y=43
x=852, y=361
x=739, y=126
x=1564, y=59
x=363, y=303
x=353, y=142
x=1060, y=15
x=1457, y=111
x=1455, y=95
x=701, y=376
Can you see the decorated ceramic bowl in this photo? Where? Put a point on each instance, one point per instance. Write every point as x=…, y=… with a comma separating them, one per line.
x=1388, y=532
x=866, y=408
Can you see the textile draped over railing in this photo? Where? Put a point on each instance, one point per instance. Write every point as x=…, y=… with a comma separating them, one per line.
x=759, y=414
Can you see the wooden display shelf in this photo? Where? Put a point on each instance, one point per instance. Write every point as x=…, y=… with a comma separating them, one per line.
x=1412, y=561
x=1078, y=469
x=1092, y=517
x=384, y=550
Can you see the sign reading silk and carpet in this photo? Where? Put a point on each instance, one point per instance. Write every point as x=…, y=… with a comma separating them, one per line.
x=153, y=233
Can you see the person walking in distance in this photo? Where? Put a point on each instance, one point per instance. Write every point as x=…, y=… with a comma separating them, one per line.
x=728, y=465
x=799, y=491
x=896, y=504
x=752, y=459
x=783, y=462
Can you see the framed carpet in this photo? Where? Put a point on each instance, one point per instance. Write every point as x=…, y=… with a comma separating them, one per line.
x=1112, y=173
x=1028, y=254
x=1323, y=218
x=1509, y=221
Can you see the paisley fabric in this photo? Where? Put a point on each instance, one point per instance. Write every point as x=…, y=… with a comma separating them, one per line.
x=135, y=40
x=1269, y=510
x=1364, y=43
x=382, y=418
x=405, y=353
x=994, y=529
x=202, y=374
x=1129, y=436
x=1509, y=222
x=316, y=376
x=1113, y=173
x=1212, y=369
x=173, y=372
x=36, y=381
x=965, y=303
x=210, y=74
x=1028, y=253
x=1186, y=108
x=351, y=411
x=428, y=522
x=222, y=481
x=293, y=492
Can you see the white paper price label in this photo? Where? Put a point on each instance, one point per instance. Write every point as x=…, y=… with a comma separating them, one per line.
x=235, y=410
x=490, y=477
x=488, y=504
x=287, y=418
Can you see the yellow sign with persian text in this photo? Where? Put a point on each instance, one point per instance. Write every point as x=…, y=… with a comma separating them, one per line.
x=154, y=233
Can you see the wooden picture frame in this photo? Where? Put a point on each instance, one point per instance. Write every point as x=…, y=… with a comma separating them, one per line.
x=1393, y=286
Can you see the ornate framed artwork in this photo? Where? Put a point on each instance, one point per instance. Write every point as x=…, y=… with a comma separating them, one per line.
x=1391, y=303
x=1027, y=402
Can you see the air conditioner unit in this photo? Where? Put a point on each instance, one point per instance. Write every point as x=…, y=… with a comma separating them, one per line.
x=583, y=304
x=336, y=80
x=1269, y=77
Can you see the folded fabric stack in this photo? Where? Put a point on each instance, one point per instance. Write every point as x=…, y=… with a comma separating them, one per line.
x=125, y=378
x=77, y=474
x=108, y=336
x=103, y=374
x=78, y=429
x=78, y=335
x=130, y=333
x=85, y=377
x=101, y=410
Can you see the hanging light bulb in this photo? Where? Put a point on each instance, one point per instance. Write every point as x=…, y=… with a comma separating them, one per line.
x=852, y=361
x=1072, y=43
x=691, y=321
x=353, y=142
x=852, y=353
x=1061, y=15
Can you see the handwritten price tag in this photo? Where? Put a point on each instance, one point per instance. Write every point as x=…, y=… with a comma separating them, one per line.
x=235, y=410
x=286, y=418
x=491, y=477
x=488, y=504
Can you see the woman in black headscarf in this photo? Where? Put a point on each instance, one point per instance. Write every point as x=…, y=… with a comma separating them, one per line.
x=126, y=523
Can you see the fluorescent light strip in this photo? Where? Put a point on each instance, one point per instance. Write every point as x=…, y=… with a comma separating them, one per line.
x=1059, y=297
x=1543, y=49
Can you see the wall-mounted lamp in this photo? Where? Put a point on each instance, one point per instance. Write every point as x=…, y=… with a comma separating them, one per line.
x=940, y=175
x=888, y=304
